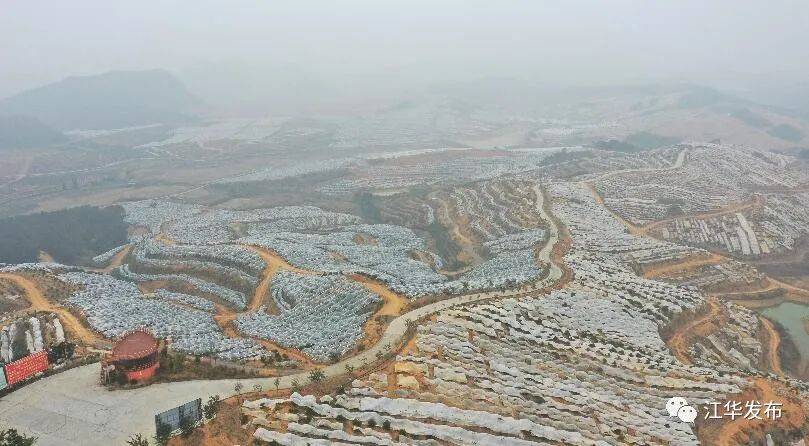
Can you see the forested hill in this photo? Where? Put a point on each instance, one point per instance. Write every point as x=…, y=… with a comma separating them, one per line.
x=112, y=100
x=22, y=132
x=70, y=236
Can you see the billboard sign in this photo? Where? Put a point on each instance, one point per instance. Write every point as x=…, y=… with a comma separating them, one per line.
x=26, y=367
x=173, y=417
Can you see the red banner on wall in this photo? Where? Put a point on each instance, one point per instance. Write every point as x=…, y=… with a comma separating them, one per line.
x=23, y=368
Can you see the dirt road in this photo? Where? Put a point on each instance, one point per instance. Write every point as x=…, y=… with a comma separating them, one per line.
x=681, y=339
x=773, y=341
x=631, y=227
x=667, y=269
x=115, y=262
x=756, y=202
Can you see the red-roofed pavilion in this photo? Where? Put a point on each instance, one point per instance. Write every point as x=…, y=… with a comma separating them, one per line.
x=135, y=356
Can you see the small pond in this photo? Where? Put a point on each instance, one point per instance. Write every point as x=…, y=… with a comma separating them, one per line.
x=791, y=316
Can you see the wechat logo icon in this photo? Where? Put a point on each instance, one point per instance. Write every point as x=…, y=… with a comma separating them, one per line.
x=678, y=407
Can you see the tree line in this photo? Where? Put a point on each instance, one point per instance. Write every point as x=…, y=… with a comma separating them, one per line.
x=70, y=235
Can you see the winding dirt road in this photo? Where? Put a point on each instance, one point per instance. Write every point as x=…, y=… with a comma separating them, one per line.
x=773, y=342
x=631, y=227
x=681, y=339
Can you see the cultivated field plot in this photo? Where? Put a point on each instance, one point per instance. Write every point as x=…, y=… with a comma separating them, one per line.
x=402, y=208
x=732, y=233
x=492, y=209
x=28, y=335
x=708, y=273
x=323, y=315
x=580, y=163
x=434, y=168
x=385, y=252
x=712, y=177
x=772, y=227
x=592, y=226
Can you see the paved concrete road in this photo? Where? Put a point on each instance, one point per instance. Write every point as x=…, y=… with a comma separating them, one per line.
x=71, y=408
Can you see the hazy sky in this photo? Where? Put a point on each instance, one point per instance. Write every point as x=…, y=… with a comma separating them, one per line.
x=215, y=45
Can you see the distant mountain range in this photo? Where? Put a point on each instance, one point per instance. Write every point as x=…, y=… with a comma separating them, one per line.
x=115, y=99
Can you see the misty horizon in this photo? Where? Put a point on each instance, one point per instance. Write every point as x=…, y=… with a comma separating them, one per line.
x=284, y=55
